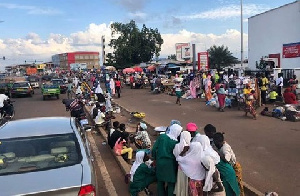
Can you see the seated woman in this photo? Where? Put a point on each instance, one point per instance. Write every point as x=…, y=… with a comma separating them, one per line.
x=141, y=176
x=121, y=148
x=289, y=97
x=141, y=139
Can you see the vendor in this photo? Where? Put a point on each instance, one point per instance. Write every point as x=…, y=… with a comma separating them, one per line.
x=289, y=97
x=247, y=89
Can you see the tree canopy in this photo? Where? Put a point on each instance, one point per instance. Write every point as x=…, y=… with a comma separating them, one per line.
x=220, y=56
x=134, y=46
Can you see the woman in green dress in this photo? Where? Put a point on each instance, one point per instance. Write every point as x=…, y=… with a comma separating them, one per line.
x=166, y=165
x=141, y=176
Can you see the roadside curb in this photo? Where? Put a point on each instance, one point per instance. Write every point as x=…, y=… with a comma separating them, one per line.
x=248, y=189
x=124, y=166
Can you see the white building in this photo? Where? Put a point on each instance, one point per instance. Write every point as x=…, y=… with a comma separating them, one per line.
x=276, y=34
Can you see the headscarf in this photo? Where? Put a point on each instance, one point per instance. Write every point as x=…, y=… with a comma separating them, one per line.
x=208, y=150
x=98, y=89
x=185, y=140
x=139, y=159
x=192, y=127
x=191, y=162
x=172, y=123
x=112, y=83
x=175, y=131
x=143, y=126
x=208, y=163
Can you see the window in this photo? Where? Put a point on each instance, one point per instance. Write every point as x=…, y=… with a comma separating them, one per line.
x=30, y=154
x=86, y=57
x=81, y=57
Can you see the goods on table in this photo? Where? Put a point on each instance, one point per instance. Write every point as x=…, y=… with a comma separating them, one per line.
x=140, y=115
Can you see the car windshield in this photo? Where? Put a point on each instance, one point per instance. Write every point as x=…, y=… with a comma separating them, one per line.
x=50, y=86
x=57, y=81
x=19, y=155
x=33, y=79
x=23, y=84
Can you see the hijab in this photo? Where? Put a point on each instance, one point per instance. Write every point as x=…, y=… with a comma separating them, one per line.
x=172, y=123
x=208, y=163
x=139, y=159
x=185, y=140
x=191, y=162
x=208, y=150
x=175, y=131
x=99, y=89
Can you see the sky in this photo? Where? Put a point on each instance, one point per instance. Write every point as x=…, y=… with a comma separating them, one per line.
x=37, y=29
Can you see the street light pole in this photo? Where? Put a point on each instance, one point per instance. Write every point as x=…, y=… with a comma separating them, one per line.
x=242, y=55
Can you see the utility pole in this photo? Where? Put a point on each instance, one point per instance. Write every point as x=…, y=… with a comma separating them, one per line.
x=194, y=58
x=242, y=45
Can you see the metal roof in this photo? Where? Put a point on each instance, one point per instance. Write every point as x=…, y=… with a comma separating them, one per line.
x=36, y=127
x=274, y=9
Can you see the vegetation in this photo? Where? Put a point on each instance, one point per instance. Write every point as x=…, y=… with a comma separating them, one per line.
x=172, y=57
x=133, y=46
x=220, y=56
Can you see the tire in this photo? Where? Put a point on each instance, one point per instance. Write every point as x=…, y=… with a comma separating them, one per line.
x=44, y=97
x=57, y=96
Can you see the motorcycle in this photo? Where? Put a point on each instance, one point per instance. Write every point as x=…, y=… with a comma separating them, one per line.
x=7, y=111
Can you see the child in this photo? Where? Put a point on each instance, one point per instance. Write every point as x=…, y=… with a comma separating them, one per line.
x=178, y=91
x=273, y=96
x=141, y=176
x=226, y=154
x=120, y=147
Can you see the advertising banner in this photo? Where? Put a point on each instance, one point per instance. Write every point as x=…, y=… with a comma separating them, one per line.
x=183, y=51
x=203, y=61
x=291, y=50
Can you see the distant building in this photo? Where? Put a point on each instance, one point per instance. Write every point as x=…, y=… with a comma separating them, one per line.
x=275, y=36
x=64, y=60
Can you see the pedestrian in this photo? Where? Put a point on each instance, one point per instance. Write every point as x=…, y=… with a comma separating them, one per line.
x=69, y=91
x=273, y=96
x=228, y=156
x=112, y=87
x=118, y=87
x=192, y=128
x=172, y=123
x=141, y=176
x=264, y=88
x=190, y=164
x=181, y=186
x=207, y=84
x=289, y=97
x=207, y=148
x=115, y=135
x=250, y=100
x=99, y=93
x=221, y=98
x=166, y=165
x=178, y=91
x=209, y=131
x=279, y=84
x=213, y=184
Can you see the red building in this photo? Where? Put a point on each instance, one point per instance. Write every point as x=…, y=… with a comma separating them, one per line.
x=64, y=60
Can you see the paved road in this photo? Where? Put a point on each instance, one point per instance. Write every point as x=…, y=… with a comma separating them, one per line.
x=267, y=148
x=36, y=107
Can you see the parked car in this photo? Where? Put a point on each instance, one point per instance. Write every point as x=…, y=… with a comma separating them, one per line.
x=49, y=158
x=62, y=86
x=34, y=81
x=50, y=90
x=21, y=88
x=5, y=88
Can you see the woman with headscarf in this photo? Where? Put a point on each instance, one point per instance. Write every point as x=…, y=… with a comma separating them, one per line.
x=141, y=176
x=112, y=86
x=207, y=148
x=289, y=97
x=181, y=187
x=213, y=183
x=166, y=165
x=191, y=166
x=172, y=123
x=221, y=97
x=99, y=93
x=207, y=83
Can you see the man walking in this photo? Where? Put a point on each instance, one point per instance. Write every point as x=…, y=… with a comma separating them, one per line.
x=118, y=87
x=264, y=83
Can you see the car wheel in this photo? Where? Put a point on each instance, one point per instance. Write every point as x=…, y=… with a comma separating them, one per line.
x=57, y=96
x=33, y=92
x=44, y=97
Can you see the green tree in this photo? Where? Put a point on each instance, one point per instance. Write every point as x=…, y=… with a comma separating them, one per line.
x=261, y=65
x=134, y=46
x=172, y=57
x=220, y=56
x=110, y=59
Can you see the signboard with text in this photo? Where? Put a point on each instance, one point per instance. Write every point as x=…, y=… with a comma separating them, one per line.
x=203, y=61
x=291, y=50
x=183, y=51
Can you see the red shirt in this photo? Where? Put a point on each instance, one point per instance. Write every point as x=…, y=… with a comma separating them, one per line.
x=118, y=83
x=131, y=79
x=289, y=98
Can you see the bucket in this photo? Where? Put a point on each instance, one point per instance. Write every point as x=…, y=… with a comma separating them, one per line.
x=118, y=110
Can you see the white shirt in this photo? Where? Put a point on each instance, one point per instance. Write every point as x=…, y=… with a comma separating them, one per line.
x=278, y=80
x=228, y=153
x=3, y=97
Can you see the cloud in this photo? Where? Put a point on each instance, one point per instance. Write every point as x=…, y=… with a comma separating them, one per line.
x=32, y=9
x=32, y=47
x=226, y=12
x=133, y=5
x=138, y=17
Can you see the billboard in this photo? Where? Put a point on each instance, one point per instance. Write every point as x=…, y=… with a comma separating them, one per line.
x=291, y=50
x=203, y=61
x=183, y=51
